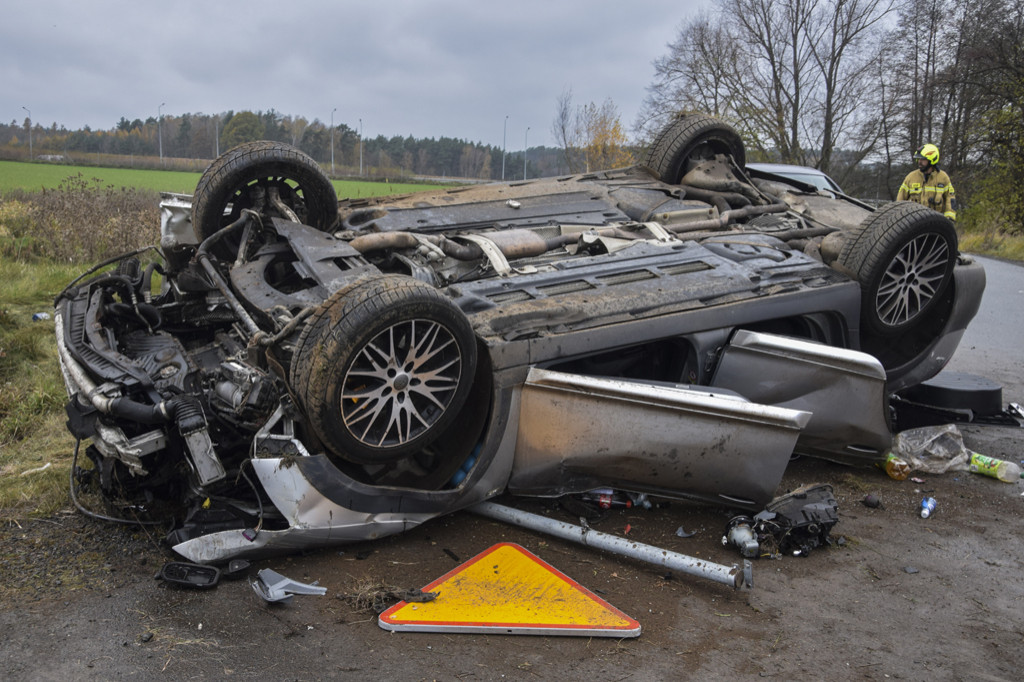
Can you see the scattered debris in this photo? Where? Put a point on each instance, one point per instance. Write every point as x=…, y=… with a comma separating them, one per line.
x=1007, y=472
x=37, y=469
x=454, y=557
x=377, y=597
x=927, y=507
x=236, y=568
x=910, y=569
x=872, y=501
x=794, y=523
x=740, y=532
x=182, y=573
x=274, y=587
x=932, y=449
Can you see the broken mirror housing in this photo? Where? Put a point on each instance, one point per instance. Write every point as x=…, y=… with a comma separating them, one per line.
x=293, y=371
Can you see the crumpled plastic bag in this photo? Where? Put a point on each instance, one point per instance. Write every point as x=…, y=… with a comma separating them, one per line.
x=932, y=449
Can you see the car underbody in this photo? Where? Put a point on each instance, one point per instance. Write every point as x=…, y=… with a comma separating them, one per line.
x=291, y=371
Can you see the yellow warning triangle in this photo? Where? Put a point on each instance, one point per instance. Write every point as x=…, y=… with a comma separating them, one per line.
x=508, y=590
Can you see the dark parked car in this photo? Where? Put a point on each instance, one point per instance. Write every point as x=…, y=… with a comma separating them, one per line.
x=801, y=174
x=292, y=371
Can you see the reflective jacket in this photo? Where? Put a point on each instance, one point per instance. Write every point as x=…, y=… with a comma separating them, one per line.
x=935, y=191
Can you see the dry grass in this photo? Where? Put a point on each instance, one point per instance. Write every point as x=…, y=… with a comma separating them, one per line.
x=81, y=221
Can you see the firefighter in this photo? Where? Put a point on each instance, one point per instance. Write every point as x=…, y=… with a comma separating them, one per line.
x=929, y=185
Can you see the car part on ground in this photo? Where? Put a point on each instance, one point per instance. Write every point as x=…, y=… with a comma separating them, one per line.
x=794, y=523
x=283, y=376
x=182, y=573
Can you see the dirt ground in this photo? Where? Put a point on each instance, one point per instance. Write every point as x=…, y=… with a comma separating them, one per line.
x=902, y=597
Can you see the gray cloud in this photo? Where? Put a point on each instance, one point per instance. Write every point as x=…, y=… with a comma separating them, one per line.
x=428, y=69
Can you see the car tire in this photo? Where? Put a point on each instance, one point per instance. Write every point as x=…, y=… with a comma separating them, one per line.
x=903, y=255
x=383, y=368
x=692, y=136
x=224, y=189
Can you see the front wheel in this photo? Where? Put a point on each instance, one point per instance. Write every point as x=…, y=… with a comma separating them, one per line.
x=383, y=369
x=903, y=255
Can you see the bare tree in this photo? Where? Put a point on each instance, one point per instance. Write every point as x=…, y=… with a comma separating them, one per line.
x=590, y=136
x=787, y=73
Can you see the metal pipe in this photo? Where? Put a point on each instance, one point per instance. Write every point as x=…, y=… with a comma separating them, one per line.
x=725, y=219
x=734, y=576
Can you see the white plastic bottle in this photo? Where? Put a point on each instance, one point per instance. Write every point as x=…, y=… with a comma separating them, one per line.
x=1008, y=472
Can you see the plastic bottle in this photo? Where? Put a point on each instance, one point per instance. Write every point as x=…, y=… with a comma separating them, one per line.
x=39, y=317
x=607, y=498
x=896, y=467
x=1008, y=472
x=927, y=507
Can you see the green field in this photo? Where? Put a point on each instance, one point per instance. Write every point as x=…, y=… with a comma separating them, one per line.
x=15, y=175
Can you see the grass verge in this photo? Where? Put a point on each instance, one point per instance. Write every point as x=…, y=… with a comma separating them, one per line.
x=35, y=447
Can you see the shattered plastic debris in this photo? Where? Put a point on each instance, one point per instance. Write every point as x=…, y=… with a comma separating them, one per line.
x=274, y=587
x=794, y=523
x=236, y=568
x=182, y=573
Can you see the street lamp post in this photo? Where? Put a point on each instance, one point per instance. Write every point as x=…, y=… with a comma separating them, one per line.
x=159, y=130
x=360, y=147
x=504, y=134
x=29, y=132
x=526, y=146
x=332, y=139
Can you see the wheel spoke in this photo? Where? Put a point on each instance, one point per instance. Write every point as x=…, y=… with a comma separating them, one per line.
x=912, y=279
x=400, y=383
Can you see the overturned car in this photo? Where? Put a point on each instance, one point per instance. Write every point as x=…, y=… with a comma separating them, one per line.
x=294, y=371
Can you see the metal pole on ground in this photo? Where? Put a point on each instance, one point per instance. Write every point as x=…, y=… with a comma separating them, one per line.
x=727, y=575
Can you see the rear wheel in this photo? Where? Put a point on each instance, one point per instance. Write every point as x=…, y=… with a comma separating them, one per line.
x=689, y=139
x=903, y=255
x=246, y=176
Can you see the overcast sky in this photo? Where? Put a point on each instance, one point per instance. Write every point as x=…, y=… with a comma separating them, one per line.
x=425, y=68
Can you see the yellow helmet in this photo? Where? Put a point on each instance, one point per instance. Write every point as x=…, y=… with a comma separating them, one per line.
x=928, y=151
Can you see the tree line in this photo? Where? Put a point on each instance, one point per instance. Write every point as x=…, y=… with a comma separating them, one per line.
x=205, y=136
